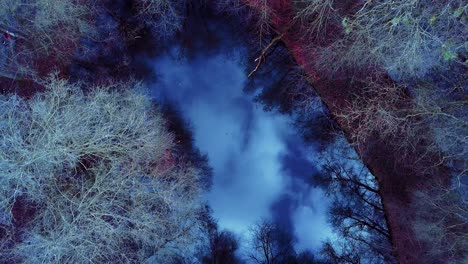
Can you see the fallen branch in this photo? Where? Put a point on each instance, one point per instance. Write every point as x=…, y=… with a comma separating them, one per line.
x=260, y=59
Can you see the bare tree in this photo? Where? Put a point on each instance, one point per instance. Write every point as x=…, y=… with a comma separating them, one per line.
x=95, y=173
x=442, y=222
x=270, y=244
x=314, y=16
x=403, y=134
x=406, y=38
x=433, y=123
x=41, y=30
x=222, y=245
x=377, y=111
x=164, y=17
x=443, y=108
x=357, y=213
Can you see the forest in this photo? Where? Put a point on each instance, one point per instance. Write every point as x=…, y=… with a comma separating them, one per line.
x=234, y=131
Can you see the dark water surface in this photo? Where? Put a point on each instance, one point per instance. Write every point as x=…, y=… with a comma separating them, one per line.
x=261, y=167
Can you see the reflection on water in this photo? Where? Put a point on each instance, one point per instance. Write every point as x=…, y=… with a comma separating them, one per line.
x=261, y=166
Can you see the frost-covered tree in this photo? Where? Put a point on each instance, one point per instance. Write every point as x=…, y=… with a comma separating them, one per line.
x=164, y=17
x=405, y=38
x=40, y=33
x=96, y=174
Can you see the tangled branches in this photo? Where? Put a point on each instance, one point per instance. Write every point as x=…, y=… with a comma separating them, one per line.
x=88, y=167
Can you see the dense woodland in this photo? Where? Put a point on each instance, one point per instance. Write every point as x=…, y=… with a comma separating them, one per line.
x=94, y=171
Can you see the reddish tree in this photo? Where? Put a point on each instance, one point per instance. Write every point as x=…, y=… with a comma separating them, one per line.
x=398, y=179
